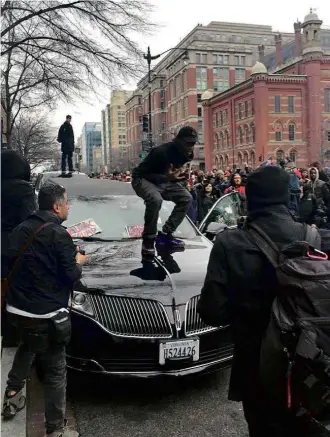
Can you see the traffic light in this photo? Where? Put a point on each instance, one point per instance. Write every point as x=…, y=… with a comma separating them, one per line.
x=145, y=123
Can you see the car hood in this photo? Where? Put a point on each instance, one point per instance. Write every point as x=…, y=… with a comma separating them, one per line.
x=172, y=278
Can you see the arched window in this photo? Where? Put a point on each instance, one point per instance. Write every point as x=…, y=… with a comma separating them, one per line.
x=279, y=155
x=253, y=159
x=221, y=162
x=246, y=158
x=253, y=131
x=216, y=141
x=240, y=135
x=306, y=36
x=240, y=160
x=216, y=162
x=247, y=134
x=292, y=132
x=221, y=140
x=315, y=34
x=226, y=161
x=227, y=138
x=293, y=156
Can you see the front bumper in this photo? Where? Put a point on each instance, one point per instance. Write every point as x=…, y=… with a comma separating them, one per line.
x=93, y=350
x=92, y=366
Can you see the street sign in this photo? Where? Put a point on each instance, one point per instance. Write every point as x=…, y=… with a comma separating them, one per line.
x=142, y=155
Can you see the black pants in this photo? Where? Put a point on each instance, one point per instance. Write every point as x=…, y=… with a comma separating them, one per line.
x=153, y=196
x=36, y=341
x=67, y=156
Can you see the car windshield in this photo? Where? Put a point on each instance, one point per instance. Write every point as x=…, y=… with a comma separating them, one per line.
x=117, y=217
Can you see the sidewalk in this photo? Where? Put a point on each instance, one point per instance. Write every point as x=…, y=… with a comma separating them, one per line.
x=29, y=422
x=16, y=427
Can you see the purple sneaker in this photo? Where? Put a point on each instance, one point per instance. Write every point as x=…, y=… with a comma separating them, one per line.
x=168, y=241
x=148, y=247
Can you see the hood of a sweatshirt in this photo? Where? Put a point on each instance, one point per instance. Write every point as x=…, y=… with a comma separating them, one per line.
x=317, y=173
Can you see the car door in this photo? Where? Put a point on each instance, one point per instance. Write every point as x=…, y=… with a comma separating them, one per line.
x=224, y=213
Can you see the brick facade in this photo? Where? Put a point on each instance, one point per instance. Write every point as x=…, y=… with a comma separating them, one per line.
x=278, y=115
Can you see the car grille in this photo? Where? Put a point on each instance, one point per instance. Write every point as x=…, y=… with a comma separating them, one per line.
x=193, y=323
x=131, y=317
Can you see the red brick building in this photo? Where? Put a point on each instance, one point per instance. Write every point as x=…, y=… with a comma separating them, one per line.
x=286, y=113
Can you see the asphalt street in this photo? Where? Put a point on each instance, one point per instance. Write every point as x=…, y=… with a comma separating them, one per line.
x=194, y=407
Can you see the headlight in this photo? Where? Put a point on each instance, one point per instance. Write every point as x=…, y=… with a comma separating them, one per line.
x=81, y=302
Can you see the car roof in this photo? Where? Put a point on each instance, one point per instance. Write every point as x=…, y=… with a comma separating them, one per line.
x=87, y=187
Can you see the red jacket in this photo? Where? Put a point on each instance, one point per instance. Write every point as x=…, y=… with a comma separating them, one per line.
x=240, y=190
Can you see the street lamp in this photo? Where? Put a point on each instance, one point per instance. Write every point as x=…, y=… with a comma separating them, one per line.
x=150, y=58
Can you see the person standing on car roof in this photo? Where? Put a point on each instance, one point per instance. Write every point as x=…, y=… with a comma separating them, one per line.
x=238, y=291
x=66, y=138
x=158, y=178
x=45, y=264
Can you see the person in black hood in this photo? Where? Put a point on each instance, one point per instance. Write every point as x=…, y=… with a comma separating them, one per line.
x=66, y=138
x=17, y=203
x=17, y=198
x=238, y=291
x=158, y=177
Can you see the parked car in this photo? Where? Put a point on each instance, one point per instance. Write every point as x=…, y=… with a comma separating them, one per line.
x=131, y=318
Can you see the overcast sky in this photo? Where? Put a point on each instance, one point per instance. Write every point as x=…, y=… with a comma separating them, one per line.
x=178, y=17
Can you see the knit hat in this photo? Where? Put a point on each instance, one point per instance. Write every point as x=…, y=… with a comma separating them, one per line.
x=267, y=186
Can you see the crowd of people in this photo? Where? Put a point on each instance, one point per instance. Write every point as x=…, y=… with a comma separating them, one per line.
x=309, y=188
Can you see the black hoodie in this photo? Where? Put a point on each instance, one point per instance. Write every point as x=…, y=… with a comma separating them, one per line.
x=17, y=198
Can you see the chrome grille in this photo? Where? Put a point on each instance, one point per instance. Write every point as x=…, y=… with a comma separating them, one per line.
x=131, y=317
x=193, y=323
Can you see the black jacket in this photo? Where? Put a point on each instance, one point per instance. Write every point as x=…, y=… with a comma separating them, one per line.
x=156, y=165
x=17, y=199
x=237, y=290
x=43, y=279
x=66, y=137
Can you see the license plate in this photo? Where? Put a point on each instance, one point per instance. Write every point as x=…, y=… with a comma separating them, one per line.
x=179, y=350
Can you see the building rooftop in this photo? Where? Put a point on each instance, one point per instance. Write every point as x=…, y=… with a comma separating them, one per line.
x=258, y=68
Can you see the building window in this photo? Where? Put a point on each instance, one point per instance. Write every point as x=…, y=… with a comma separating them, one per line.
x=328, y=135
x=278, y=136
x=279, y=155
x=199, y=98
x=185, y=105
x=293, y=156
x=239, y=75
x=327, y=99
x=240, y=160
x=236, y=60
x=277, y=103
x=242, y=60
x=201, y=78
x=162, y=105
x=252, y=107
x=247, y=136
x=240, y=111
x=246, y=109
x=246, y=158
x=291, y=132
x=240, y=135
x=226, y=59
x=204, y=58
x=226, y=161
x=199, y=110
x=220, y=79
x=253, y=130
x=216, y=141
x=198, y=58
x=227, y=138
x=221, y=140
x=291, y=104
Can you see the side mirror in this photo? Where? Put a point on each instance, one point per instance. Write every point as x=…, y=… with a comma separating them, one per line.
x=214, y=228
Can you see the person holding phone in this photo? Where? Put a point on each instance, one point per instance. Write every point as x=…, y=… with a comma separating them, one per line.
x=158, y=178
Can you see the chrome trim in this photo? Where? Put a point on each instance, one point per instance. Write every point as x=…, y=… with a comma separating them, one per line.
x=126, y=313
x=195, y=320
x=181, y=372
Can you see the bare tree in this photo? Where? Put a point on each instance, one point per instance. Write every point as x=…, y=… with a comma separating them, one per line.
x=57, y=50
x=34, y=139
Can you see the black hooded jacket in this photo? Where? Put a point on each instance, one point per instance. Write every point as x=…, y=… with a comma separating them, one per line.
x=17, y=199
x=156, y=165
x=237, y=289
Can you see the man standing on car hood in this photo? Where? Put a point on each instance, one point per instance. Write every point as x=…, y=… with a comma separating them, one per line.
x=158, y=178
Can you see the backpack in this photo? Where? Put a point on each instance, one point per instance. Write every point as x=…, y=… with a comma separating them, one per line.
x=295, y=350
